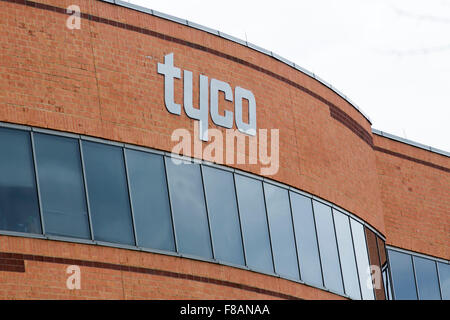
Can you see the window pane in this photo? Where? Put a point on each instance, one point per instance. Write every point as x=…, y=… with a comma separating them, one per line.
x=374, y=259
x=189, y=211
x=305, y=235
x=281, y=231
x=19, y=208
x=328, y=248
x=151, y=209
x=108, y=193
x=348, y=262
x=444, y=280
x=402, y=276
x=427, y=279
x=362, y=260
x=254, y=223
x=61, y=185
x=223, y=215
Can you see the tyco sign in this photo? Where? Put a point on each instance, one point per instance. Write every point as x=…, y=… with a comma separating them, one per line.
x=171, y=72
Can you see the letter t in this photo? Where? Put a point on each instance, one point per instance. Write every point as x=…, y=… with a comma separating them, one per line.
x=170, y=72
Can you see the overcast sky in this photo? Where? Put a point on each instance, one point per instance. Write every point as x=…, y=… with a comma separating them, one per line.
x=391, y=57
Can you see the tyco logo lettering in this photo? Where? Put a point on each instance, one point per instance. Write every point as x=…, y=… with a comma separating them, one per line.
x=171, y=72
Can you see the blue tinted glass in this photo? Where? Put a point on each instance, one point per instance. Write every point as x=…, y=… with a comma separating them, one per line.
x=19, y=209
x=347, y=255
x=281, y=231
x=427, y=279
x=328, y=248
x=108, y=193
x=402, y=276
x=223, y=214
x=61, y=185
x=150, y=200
x=362, y=260
x=444, y=280
x=305, y=235
x=254, y=223
x=189, y=211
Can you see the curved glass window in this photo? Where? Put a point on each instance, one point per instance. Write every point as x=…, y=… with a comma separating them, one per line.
x=305, y=234
x=348, y=260
x=444, y=279
x=151, y=208
x=417, y=276
x=254, y=223
x=223, y=214
x=120, y=195
x=328, y=247
x=189, y=210
x=281, y=231
x=403, y=279
x=19, y=206
x=61, y=183
x=427, y=279
x=108, y=193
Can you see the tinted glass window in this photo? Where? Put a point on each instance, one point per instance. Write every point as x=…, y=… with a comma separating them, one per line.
x=189, y=211
x=281, y=231
x=427, y=279
x=223, y=215
x=362, y=260
x=19, y=208
x=374, y=259
x=328, y=248
x=150, y=200
x=108, y=193
x=402, y=276
x=254, y=223
x=444, y=278
x=348, y=262
x=305, y=235
x=61, y=186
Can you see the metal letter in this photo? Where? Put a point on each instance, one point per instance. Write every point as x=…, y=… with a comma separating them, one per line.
x=200, y=114
x=170, y=72
x=247, y=128
x=226, y=120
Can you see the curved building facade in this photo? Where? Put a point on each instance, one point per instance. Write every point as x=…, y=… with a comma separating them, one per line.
x=155, y=158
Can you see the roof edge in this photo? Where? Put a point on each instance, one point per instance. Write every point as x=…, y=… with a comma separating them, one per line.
x=241, y=42
x=410, y=142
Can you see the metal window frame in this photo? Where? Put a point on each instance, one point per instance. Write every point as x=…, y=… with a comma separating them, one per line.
x=166, y=157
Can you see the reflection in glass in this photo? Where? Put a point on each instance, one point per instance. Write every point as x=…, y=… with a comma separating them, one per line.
x=281, y=231
x=362, y=260
x=223, y=215
x=427, y=279
x=402, y=276
x=61, y=185
x=108, y=193
x=189, y=211
x=254, y=223
x=19, y=208
x=328, y=247
x=150, y=200
x=305, y=235
x=348, y=262
x=374, y=259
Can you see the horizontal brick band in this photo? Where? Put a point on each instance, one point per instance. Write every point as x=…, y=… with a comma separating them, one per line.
x=15, y=262
x=403, y=156
x=11, y=263
x=352, y=125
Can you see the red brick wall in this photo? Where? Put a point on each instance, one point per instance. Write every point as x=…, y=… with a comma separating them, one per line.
x=101, y=81
x=110, y=273
x=415, y=196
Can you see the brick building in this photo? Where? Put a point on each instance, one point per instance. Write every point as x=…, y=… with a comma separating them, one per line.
x=86, y=178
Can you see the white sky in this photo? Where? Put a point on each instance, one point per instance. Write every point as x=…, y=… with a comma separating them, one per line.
x=391, y=57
